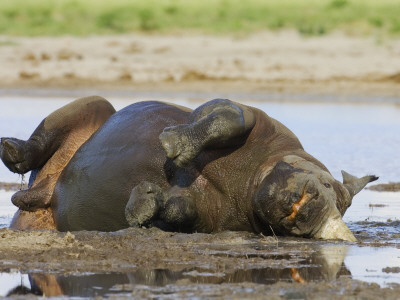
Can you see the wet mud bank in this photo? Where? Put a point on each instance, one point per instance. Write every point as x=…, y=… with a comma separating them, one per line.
x=385, y=187
x=12, y=186
x=148, y=263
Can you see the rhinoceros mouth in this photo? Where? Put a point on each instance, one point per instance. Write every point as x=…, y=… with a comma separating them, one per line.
x=305, y=198
x=298, y=205
x=309, y=223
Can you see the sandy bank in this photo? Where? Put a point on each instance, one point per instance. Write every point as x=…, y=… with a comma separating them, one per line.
x=266, y=61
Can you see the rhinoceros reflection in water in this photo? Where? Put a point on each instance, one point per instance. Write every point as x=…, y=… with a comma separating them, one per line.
x=222, y=166
x=324, y=264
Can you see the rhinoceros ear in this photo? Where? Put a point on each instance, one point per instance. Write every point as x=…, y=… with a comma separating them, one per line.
x=354, y=184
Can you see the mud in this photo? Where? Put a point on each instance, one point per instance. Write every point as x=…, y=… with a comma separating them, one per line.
x=150, y=263
x=385, y=187
x=12, y=186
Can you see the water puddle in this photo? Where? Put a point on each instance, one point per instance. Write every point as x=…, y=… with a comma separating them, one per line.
x=374, y=206
x=323, y=263
x=371, y=264
x=7, y=209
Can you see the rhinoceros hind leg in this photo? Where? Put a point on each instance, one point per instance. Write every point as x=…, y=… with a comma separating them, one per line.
x=144, y=204
x=73, y=123
x=37, y=196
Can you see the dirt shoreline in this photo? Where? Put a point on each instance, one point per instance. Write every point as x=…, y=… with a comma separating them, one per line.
x=385, y=187
x=266, y=62
x=12, y=186
x=190, y=265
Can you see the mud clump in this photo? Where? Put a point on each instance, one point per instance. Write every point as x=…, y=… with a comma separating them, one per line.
x=391, y=270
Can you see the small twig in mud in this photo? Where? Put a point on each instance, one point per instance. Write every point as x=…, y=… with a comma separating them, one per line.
x=275, y=237
x=270, y=239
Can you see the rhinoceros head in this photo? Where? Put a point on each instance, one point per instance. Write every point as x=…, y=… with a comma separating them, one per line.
x=305, y=200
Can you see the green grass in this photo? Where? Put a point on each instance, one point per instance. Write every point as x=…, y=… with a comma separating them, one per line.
x=309, y=17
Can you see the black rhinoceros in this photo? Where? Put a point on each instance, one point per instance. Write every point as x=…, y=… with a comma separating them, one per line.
x=222, y=166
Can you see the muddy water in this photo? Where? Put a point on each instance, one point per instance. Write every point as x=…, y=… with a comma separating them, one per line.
x=284, y=264
x=360, y=138
x=319, y=265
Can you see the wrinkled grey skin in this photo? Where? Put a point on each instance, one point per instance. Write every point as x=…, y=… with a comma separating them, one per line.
x=223, y=166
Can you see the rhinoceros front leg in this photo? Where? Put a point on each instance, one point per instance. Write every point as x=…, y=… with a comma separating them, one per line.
x=216, y=124
x=144, y=204
x=148, y=203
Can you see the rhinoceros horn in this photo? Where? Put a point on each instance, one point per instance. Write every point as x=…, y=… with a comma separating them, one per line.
x=335, y=228
x=354, y=184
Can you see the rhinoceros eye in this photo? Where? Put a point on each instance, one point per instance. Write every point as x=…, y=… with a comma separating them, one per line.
x=327, y=185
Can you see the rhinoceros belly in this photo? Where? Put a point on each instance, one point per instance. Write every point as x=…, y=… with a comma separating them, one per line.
x=94, y=188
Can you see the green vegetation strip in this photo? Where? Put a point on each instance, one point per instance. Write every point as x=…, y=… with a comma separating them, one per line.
x=309, y=17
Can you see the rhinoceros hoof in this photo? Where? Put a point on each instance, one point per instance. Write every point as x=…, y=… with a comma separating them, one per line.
x=12, y=153
x=144, y=203
x=178, y=145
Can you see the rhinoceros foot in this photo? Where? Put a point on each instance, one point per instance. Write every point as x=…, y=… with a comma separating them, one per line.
x=12, y=153
x=179, y=144
x=144, y=203
x=179, y=211
x=35, y=197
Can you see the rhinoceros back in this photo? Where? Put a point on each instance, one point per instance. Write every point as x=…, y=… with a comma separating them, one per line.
x=94, y=188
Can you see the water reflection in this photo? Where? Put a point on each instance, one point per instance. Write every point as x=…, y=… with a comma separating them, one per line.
x=323, y=264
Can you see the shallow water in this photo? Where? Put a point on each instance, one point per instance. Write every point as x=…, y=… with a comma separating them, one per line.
x=321, y=263
x=361, y=138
